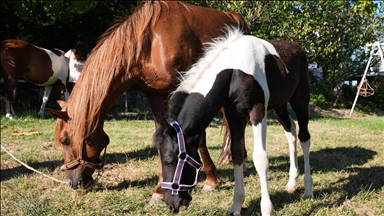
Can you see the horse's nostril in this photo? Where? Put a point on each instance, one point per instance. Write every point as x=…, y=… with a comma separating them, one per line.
x=171, y=208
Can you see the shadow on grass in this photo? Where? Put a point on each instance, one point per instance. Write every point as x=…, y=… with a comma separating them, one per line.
x=145, y=153
x=7, y=174
x=360, y=180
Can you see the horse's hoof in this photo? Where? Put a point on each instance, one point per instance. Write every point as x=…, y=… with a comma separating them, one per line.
x=156, y=199
x=208, y=188
x=9, y=116
x=308, y=195
x=290, y=188
x=234, y=213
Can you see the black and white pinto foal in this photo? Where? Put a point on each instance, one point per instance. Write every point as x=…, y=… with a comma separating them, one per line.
x=247, y=76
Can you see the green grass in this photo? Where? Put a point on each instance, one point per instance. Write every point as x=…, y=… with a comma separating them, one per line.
x=347, y=159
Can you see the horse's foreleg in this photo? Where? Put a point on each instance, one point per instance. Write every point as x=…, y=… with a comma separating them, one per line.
x=307, y=169
x=47, y=92
x=159, y=105
x=239, y=194
x=260, y=157
x=293, y=168
x=209, y=167
x=157, y=196
x=64, y=91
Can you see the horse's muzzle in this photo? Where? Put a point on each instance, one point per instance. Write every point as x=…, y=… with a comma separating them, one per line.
x=83, y=182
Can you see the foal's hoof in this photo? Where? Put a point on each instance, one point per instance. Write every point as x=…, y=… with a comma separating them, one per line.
x=290, y=188
x=308, y=195
x=156, y=199
x=208, y=188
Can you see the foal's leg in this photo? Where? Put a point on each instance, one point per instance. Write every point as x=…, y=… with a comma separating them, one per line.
x=302, y=114
x=260, y=157
x=289, y=125
x=47, y=92
x=237, y=126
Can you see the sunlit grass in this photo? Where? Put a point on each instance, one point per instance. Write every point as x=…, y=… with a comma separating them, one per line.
x=347, y=158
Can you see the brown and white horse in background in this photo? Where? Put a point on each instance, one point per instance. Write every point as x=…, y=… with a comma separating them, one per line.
x=39, y=66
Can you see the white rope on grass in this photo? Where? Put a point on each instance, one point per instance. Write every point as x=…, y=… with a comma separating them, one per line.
x=31, y=168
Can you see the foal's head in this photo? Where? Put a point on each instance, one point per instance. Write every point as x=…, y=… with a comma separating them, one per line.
x=81, y=156
x=177, y=193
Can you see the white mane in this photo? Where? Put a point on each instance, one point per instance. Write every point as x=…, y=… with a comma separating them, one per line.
x=211, y=52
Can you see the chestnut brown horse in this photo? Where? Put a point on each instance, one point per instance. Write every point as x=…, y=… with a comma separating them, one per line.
x=148, y=48
x=36, y=65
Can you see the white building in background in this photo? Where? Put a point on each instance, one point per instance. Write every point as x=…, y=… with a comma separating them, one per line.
x=316, y=69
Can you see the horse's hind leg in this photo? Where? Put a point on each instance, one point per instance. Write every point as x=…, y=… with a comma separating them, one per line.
x=258, y=117
x=47, y=92
x=237, y=126
x=301, y=110
x=9, y=112
x=289, y=125
x=9, y=93
x=210, y=183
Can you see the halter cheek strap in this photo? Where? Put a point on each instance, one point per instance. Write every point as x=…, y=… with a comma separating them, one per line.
x=80, y=161
x=175, y=185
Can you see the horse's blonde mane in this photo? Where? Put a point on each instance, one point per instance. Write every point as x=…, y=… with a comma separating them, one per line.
x=211, y=52
x=117, y=51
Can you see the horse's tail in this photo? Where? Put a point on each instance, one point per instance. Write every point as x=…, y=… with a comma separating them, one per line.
x=226, y=146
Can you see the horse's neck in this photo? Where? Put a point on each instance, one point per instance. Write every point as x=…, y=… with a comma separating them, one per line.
x=198, y=111
x=95, y=109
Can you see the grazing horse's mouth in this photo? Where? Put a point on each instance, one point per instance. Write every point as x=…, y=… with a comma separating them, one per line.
x=83, y=182
x=175, y=209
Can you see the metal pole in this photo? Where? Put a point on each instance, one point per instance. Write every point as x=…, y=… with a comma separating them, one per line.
x=360, y=84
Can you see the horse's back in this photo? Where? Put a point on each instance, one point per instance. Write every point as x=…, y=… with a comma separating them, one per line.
x=294, y=80
x=23, y=59
x=14, y=54
x=180, y=34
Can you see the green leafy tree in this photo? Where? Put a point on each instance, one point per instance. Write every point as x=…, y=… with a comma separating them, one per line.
x=57, y=23
x=330, y=31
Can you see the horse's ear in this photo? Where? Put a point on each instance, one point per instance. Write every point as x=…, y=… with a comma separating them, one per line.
x=62, y=103
x=162, y=122
x=58, y=114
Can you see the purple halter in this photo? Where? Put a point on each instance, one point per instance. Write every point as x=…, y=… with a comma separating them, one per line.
x=175, y=186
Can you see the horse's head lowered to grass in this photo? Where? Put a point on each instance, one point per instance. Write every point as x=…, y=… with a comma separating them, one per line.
x=181, y=164
x=81, y=156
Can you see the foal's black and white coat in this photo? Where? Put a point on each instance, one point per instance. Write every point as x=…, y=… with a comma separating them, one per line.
x=247, y=76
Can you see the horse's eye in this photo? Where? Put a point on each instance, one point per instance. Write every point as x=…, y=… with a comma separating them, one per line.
x=88, y=142
x=169, y=162
x=64, y=141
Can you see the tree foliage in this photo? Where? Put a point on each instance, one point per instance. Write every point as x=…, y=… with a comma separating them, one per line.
x=330, y=31
x=57, y=23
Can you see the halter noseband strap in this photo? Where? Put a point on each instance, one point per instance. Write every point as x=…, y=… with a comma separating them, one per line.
x=175, y=185
x=81, y=161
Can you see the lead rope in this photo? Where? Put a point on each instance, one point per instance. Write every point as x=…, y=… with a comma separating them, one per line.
x=31, y=168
